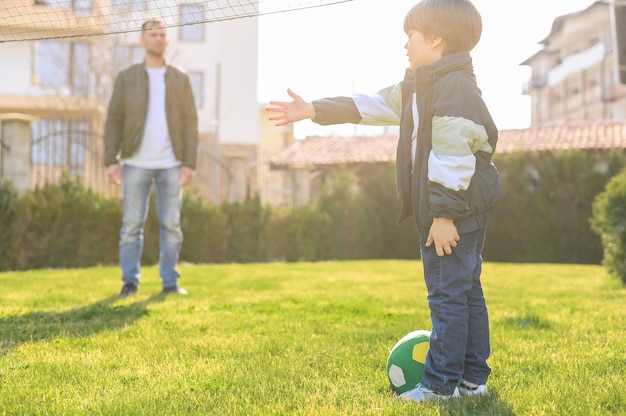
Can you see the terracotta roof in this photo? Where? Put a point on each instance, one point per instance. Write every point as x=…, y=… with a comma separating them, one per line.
x=317, y=151
x=580, y=135
x=326, y=151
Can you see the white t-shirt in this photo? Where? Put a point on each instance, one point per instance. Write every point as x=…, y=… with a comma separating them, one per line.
x=155, y=151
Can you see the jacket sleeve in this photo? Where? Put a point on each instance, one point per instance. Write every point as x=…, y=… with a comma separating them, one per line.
x=190, y=126
x=458, y=134
x=381, y=109
x=113, y=129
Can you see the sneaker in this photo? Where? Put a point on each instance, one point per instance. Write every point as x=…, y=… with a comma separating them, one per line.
x=465, y=390
x=128, y=289
x=421, y=393
x=174, y=290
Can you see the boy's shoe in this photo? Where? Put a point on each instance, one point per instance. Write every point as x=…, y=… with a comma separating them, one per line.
x=174, y=290
x=421, y=393
x=128, y=289
x=472, y=391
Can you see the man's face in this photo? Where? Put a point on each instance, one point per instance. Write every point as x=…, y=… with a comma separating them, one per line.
x=155, y=41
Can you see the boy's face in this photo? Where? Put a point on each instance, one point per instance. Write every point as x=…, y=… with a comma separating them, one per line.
x=423, y=50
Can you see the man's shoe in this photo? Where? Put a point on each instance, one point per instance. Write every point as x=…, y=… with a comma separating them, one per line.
x=128, y=289
x=421, y=393
x=465, y=390
x=174, y=290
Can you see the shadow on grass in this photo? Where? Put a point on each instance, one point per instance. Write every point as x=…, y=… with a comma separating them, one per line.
x=81, y=322
x=488, y=405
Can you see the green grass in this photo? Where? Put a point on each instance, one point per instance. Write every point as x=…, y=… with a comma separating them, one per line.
x=298, y=339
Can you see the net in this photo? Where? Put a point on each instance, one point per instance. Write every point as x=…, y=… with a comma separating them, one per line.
x=27, y=20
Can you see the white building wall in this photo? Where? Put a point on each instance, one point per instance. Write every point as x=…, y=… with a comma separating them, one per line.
x=15, y=77
x=238, y=57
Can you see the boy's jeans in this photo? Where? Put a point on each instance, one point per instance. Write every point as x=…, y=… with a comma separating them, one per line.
x=137, y=184
x=459, y=342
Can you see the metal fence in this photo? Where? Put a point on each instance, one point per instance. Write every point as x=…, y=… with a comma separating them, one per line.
x=74, y=147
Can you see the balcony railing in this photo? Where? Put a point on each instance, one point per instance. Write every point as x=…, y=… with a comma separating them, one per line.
x=36, y=19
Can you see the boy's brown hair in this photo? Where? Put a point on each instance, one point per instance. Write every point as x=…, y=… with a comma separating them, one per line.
x=457, y=22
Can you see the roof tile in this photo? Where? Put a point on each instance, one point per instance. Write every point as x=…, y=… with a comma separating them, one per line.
x=323, y=151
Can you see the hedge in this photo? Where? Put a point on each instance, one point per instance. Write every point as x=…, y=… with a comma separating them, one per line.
x=544, y=216
x=609, y=220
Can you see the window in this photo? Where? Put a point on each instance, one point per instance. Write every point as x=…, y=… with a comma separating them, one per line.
x=58, y=142
x=130, y=4
x=197, y=85
x=80, y=7
x=53, y=63
x=191, y=18
x=80, y=69
x=63, y=64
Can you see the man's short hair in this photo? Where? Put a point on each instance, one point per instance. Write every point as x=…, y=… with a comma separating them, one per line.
x=457, y=22
x=153, y=23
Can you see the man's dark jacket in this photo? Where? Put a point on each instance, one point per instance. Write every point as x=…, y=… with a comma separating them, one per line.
x=128, y=109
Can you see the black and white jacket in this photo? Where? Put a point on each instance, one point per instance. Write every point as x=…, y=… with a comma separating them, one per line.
x=447, y=139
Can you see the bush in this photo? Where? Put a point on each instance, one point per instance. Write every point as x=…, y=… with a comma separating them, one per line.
x=396, y=241
x=335, y=201
x=296, y=234
x=544, y=216
x=205, y=231
x=67, y=225
x=245, y=225
x=546, y=206
x=9, y=231
x=609, y=221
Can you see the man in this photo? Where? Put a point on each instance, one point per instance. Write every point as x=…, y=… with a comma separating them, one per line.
x=151, y=137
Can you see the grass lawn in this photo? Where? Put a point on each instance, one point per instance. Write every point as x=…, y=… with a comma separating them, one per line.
x=298, y=339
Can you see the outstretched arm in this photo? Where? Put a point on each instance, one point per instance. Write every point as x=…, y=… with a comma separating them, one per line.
x=291, y=111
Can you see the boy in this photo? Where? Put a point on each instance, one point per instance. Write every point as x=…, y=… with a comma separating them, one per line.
x=445, y=179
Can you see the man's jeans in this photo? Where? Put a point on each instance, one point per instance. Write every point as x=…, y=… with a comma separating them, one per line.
x=137, y=184
x=459, y=342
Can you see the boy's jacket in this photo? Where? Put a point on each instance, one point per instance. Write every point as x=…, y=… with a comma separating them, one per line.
x=443, y=167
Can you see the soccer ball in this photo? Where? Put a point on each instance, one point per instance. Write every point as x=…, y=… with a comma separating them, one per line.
x=405, y=364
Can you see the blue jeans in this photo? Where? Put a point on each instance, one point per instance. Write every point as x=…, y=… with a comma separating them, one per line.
x=137, y=184
x=459, y=342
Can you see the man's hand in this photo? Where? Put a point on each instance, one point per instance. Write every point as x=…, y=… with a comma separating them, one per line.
x=186, y=176
x=444, y=234
x=291, y=111
x=114, y=172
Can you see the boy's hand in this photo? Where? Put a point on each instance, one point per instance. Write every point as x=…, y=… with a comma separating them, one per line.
x=291, y=111
x=444, y=234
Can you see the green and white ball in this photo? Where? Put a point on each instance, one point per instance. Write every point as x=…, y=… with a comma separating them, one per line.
x=405, y=364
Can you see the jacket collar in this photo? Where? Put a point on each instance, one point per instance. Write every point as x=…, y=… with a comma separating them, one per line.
x=165, y=64
x=456, y=62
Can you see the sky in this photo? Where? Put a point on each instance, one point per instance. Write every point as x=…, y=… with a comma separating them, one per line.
x=358, y=47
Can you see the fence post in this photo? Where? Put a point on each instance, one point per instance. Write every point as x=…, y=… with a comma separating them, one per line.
x=15, y=149
x=301, y=186
x=237, y=184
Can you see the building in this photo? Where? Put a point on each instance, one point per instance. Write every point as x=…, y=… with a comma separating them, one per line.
x=43, y=87
x=64, y=56
x=575, y=75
